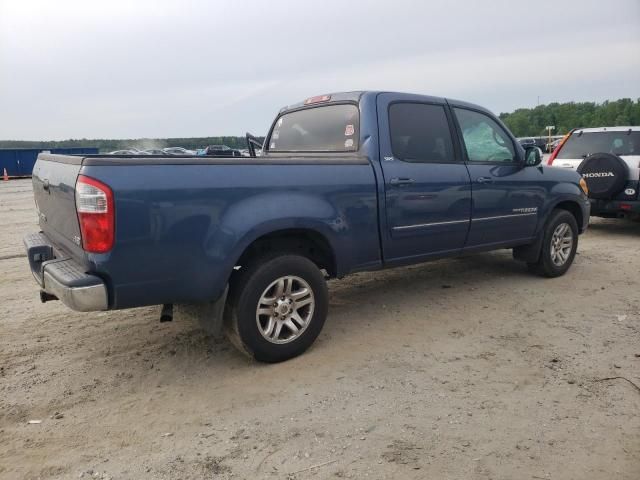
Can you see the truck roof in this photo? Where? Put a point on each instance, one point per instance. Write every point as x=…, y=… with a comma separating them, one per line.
x=608, y=129
x=356, y=96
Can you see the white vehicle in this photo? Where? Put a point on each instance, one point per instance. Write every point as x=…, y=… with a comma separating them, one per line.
x=124, y=152
x=178, y=151
x=608, y=158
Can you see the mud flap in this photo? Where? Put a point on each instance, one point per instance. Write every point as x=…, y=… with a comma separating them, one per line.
x=208, y=315
x=529, y=253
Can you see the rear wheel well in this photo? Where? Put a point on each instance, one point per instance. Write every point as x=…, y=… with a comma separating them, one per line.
x=574, y=209
x=308, y=243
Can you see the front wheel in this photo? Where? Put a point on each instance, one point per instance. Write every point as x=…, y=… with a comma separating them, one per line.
x=559, y=245
x=277, y=307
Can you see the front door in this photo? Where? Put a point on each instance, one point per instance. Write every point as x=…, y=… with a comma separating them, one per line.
x=427, y=188
x=506, y=196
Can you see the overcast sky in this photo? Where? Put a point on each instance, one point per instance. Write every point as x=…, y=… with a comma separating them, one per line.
x=129, y=69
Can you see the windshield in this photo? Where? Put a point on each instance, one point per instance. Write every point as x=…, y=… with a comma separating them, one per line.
x=330, y=128
x=618, y=143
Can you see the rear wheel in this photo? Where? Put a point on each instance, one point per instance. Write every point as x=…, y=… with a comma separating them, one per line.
x=277, y=307
x=559, y=245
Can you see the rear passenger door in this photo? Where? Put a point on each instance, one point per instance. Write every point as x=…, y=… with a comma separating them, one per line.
x=426, y=185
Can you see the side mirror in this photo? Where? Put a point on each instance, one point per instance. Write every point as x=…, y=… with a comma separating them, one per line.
x=532, y=156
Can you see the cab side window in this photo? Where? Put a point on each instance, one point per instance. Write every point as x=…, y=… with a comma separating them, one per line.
x=484, y=139
x=420, y=133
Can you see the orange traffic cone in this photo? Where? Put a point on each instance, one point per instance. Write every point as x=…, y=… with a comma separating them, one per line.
x=5, y=175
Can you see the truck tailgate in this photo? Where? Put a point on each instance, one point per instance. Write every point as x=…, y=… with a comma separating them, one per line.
x=54, y=179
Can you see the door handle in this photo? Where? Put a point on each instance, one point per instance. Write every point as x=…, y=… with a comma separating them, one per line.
x=401, y=181
x=484, y=180
x=45, y=185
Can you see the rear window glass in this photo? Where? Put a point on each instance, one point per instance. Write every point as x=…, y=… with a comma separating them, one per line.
x=331, y=128
x=618, y=143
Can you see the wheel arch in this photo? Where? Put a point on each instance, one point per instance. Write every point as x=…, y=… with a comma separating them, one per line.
x=572, y=207
x=531, y=252
x=308, y=242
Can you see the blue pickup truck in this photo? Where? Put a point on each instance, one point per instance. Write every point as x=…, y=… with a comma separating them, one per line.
x=346, y=182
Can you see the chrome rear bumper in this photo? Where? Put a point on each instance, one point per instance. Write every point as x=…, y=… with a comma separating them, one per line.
x=80, y=298
x=64, y=278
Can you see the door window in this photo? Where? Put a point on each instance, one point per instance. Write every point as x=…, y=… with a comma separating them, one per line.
x=420, y=133
x=484, y=139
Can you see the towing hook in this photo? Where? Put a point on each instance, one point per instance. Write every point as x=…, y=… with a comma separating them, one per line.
x=166, y=315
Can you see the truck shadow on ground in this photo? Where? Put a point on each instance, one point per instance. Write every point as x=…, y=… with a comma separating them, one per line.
x=449, y=281
x=423, y=302
x=358, y=300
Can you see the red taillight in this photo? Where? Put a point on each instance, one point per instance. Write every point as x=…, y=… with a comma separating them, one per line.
x=555, y=152
x=94, y=203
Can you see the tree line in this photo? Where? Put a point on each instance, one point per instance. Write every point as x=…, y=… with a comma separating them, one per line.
x=108, y=145
x=523, y=122
x=532, y=122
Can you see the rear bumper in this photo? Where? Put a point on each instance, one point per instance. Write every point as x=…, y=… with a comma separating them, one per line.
x=614, y=208
x=63, y=277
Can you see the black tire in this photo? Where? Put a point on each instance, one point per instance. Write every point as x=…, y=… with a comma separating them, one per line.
x=545, y=266
x=246, y=290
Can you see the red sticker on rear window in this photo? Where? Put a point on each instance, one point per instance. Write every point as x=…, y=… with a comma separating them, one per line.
x=349, y=130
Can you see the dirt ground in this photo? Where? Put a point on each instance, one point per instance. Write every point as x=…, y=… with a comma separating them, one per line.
x=458, y=369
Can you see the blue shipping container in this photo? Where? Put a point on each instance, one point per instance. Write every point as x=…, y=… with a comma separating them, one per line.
x=19, y=162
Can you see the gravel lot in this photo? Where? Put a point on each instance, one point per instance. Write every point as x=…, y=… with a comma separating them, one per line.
x=458, y=369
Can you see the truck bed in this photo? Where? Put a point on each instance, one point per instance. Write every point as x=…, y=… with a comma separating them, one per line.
x=273, y=159
x=182, y=222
